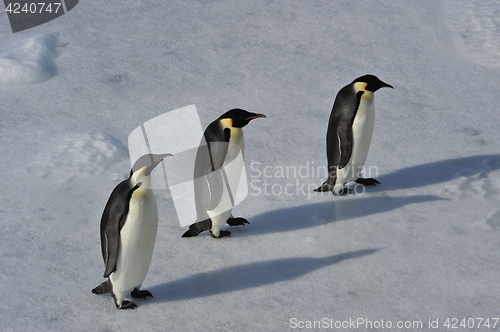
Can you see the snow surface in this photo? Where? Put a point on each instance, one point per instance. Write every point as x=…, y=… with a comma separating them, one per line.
x=423, y=245
x=476, y=27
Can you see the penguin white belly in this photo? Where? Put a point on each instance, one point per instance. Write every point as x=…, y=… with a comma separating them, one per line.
x=137, y=240
x=362, y=130
x=220, y=214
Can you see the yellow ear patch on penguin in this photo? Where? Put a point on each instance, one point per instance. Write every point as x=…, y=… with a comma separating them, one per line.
x=360, y=86
x=141, y=170
x=227, y=123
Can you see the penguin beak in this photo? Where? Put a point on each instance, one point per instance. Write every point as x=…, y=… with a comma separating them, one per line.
x=385, y=85
x=255, y=116
x=143, y=169
x=156, y=160
x=166, y=155
x=150, y=161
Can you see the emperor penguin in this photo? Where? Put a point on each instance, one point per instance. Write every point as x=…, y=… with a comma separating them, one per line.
x=349, y=134
x=128, y=233
x=214, y=180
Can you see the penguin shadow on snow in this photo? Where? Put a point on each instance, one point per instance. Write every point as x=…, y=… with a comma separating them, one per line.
x=241, y=277
x=312, y=215
x=436, y=172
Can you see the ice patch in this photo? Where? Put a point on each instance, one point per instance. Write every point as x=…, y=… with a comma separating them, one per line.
x=476, y=29
x=30, y=60
x=80, y=155
x=483, y=181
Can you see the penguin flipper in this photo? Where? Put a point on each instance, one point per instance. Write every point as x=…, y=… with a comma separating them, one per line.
x=103, y=288
x=112, y=242
x=339, y=134
x=218, y=151
x=208, y=178
x=113, y=219
x=344, y=136
x=112, y=236
x=215, y=184
x=198, y=227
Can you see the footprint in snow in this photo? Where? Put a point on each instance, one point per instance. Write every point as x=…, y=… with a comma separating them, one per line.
x=481, y=181
x=79, y=155
x=491, y=221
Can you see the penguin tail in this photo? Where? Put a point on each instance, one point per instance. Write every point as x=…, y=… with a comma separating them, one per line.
x=198, y=227
x=103, y=288
x=326, y=186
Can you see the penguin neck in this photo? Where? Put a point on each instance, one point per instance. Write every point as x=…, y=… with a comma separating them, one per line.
x=144, y=187
x=366, y=106
x=227, y=123
x=367, y=97
x=361, y=86
x=236, y=136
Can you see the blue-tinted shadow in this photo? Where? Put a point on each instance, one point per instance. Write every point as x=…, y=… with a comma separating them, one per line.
x=435, y=172
x=312, y=215
x=241, y=277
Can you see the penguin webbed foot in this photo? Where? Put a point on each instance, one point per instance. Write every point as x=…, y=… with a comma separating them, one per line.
x=103, y=288
x=343, y=192
x=191, y=232
x=140, y=294
x=224, y=233
x=237, y=221
x=368, y=181
x=197, y=228
x=324, y=187
x=221, y=234
x=127, y=305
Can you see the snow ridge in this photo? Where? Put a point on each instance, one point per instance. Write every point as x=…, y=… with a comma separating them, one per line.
x=30, y=60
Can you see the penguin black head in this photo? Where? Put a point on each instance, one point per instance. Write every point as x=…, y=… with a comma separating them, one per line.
x=373, y=83
x=240, y=117
x=150, y=161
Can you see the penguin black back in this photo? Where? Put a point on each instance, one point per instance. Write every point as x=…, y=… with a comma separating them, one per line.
x=113, y=218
